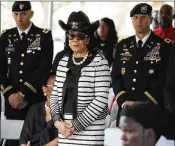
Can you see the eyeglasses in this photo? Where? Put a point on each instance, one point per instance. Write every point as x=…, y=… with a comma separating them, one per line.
x=79, y=36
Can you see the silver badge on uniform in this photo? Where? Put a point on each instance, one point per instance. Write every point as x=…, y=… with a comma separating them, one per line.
x=143, y=9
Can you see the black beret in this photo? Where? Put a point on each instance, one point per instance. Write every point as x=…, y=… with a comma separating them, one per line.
x=19, y=6
x=142, y=8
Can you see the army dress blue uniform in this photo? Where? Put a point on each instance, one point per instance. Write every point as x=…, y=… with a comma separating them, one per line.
x=22, y=65
x=139, y=75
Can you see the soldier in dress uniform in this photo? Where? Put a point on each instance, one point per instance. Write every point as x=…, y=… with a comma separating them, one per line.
x=26, y=53
x=141, y=62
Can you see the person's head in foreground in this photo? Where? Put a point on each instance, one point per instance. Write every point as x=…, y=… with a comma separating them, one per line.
x=141, y=124
x=79, y=32
x=22, y=13
x=141, y=16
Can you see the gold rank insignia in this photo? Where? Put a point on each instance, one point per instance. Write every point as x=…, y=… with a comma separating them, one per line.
x=9, y=60
x=46, y=30
x=123, y=71
x=2, y=87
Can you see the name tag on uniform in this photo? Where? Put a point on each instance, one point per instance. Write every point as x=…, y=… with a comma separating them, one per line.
x=9, y=49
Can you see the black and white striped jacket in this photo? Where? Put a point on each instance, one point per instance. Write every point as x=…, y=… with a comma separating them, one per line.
x=93, y=89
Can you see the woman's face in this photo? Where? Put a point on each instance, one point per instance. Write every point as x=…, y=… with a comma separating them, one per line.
x=103, y=30
x=77, y=41
x=48, y=88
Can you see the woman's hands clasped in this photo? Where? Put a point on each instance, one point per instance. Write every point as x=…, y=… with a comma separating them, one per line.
x=66, y=129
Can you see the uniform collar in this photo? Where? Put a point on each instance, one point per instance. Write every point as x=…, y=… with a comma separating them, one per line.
x=26, y=31
x=143, y=39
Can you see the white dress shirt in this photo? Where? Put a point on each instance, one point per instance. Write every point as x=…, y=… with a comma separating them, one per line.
x=143, y=39
x=26, y=31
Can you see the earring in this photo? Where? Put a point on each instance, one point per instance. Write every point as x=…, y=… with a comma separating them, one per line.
x=45, y=94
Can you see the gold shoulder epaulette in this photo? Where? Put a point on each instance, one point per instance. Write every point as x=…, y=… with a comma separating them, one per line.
x=167, y=40
x=4, y=31
x=46, y=30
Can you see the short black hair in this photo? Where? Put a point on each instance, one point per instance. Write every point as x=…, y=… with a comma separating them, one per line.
x=148, y=115
x=46, y=77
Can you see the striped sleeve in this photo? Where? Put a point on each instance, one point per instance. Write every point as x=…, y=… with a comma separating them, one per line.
x=98, y=104
x=54, y=106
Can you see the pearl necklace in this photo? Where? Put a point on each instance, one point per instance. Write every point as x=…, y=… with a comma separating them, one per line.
x=81, y=62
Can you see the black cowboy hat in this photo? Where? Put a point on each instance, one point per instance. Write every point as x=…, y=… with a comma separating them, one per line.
x=79, y=21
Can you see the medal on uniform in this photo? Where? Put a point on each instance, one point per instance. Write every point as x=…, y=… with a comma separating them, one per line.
x=39, y=48
x=33, y=44
x=157, y=59
x=29, y=39
x=132, y=46
x=122, y=71
x=29, y=50
x=151, y=71
x=9, y=41
x=15, y=39
x=9, y=60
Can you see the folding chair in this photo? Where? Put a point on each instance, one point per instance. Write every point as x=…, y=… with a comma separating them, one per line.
x=11, y=129
x=112, y=137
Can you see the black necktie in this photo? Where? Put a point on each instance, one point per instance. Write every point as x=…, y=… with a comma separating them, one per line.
x=23, y=34
x=139, y=45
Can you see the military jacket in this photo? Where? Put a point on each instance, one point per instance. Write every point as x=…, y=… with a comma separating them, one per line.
x=23, y=64
x=139, y=75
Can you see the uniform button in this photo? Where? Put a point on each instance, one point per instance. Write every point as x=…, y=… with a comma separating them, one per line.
x=123, y=62
x=135, y=71
x=137, y=62
x=133, y=88
x=21, y=63
x=20, y=72
x=21, y=80
x=151, y=62
x=134, y=80
x=22, y=55
x=8, y=52
x=33, y=52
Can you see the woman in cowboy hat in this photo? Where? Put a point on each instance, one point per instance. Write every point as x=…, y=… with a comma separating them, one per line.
x=80, y=93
